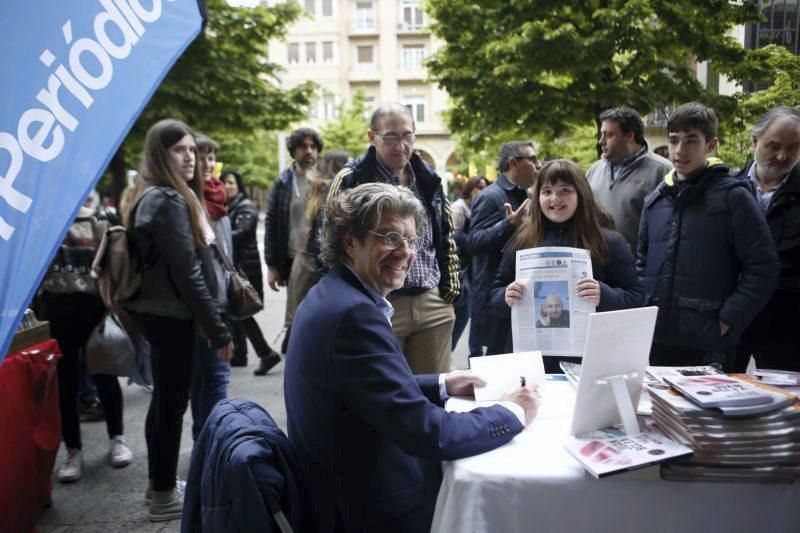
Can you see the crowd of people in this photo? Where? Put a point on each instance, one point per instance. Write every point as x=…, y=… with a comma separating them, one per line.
x=382, y=275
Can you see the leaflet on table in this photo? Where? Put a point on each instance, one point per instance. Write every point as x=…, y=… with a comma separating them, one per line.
x=551, y=317
x=503, y=373
x=681, y=404
x=609, y=451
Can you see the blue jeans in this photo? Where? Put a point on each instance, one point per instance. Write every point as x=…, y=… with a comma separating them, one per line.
x=210, y=378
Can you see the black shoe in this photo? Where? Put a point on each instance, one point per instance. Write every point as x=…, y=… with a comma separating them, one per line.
x=266, y=363
x=240, y=360
x=91, y=413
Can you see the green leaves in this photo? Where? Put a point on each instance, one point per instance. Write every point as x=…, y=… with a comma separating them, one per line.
x=541, y=66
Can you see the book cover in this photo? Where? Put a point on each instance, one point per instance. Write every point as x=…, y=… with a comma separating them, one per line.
x=717, y=390
x=610, y=451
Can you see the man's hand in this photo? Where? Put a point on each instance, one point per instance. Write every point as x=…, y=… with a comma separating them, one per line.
x=514, y=292
x=590, y=289
x=274, y=278
x=226, y=352
x=516, y=217
x=460, y=383
x=526, y=397
x=723, y=328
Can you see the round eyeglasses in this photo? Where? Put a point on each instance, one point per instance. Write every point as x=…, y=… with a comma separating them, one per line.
x=394, y=240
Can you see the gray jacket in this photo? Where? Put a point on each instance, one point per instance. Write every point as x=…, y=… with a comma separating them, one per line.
x=624, y=198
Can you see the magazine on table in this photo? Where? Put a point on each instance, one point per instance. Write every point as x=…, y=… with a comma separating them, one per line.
x=610, y=451
x=551, y=317
x=715, y=389
x=677, y=401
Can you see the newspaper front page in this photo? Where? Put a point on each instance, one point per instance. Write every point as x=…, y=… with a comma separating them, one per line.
x=551, y=317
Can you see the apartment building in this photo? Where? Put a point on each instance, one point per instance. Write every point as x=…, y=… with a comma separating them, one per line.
x=377, y=46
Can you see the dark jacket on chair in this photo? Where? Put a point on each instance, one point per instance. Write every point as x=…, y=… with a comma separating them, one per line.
x=239, y=456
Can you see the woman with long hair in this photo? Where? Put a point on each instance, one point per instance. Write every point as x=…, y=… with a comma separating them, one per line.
x=462, y=211
x=305, y=272
x=169, y=230
x=564, y=213
x=244, y=221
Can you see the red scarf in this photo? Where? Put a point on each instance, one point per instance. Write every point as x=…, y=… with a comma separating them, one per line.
x=216, y=198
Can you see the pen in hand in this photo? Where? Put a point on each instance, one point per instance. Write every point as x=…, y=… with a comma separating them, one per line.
x=522, y=381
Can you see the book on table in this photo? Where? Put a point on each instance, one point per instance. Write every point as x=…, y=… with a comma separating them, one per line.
x=729, y=443
x=610, y=451
x=714, y=389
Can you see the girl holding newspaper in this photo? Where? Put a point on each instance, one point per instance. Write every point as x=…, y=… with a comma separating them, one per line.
x=566, y=214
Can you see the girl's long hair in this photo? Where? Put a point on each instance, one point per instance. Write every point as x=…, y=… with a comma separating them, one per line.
x=158, y=169
x=587, y=218
x=319, y=180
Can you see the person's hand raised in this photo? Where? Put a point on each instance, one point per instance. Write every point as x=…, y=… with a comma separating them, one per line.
x=516, y=217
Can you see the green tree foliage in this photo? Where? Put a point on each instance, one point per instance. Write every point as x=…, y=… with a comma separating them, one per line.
x=777, y=72
x=254, y=156
x=224, y=85
x=349, y=131
x=578, y=144
x=544, y=65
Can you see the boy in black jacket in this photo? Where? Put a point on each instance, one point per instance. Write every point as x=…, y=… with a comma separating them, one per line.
x=705, y=255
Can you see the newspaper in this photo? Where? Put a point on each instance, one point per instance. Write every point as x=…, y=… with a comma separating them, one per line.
x=550, y=317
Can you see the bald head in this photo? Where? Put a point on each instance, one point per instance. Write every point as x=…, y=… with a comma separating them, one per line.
x=554, y=306
x=389, y=109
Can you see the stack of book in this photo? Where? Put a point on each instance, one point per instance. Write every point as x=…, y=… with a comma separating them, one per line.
x=738, y=428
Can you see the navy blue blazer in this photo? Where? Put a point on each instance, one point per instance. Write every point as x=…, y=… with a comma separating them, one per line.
x=369, y=435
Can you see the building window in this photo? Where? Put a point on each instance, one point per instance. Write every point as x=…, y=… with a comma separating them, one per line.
x=293, y=53
x=369, y=106
x=365, y=16
x=365, y=57
x=780, y=26
x=327, y=52
x=311, y=53
x=310, y=6
x=416, y=104
x=412, y=15
x=412, y=57
x=327, y=8
x=329, y=107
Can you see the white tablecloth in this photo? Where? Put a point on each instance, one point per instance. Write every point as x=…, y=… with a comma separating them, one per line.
x=533, y=485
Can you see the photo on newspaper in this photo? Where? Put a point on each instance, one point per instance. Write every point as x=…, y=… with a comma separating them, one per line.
x=551, y=317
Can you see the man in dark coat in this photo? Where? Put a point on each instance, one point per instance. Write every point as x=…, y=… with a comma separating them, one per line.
x=705, y=256
x=424, y=317
x=369, y=435
x=283, y=237
x=774, y=177
x=496, y=213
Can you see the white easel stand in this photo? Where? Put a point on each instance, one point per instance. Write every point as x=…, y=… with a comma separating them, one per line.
x=624, y=404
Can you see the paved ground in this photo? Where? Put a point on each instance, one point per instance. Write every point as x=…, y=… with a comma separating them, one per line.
x=108, y=499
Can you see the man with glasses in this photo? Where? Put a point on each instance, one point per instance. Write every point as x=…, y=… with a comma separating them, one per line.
x=496, y=213
x=423, y=307
x=627, y=172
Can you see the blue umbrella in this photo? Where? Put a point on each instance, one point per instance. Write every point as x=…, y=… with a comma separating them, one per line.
x=76, y=76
